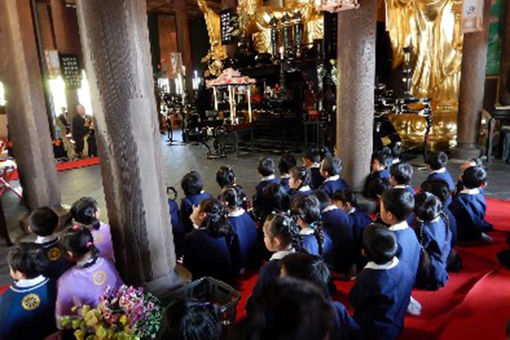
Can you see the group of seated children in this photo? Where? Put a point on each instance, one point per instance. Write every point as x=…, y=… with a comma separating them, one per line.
x=56, y=273
x=303, y=229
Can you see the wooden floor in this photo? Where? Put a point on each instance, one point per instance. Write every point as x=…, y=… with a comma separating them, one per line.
x=178, y=160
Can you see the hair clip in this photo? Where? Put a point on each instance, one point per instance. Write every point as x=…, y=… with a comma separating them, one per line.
x=75, y=227
x=89, y=244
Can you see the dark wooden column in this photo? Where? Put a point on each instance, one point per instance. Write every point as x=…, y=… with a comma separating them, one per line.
x=115, y=45
x=504, y=89
x=355, y=91
x=64, y=45
x=26, y=108
x=472, y=89
x=183, y=38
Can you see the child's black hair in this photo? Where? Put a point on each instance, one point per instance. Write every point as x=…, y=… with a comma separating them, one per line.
x=286, y=229
x=192, y=183
x=189, y=319
x=301, y=173
x=307, y=267
x=324, y=152
x=427, y=207
x=225, y=176
x=287, y=161
x=474, y=177
x=437, y=187
x=402, y=172
x=313, y=155
x=346, y=196
x=216, y=222
x=383, y=156
x=396, y=150
x=43, y=221
x=437, y=160
x=233, y=196
x=27, y=258
x=332, y=165
x=376, y=187
x=307, y=208
x=399, y=202
x=275, y=198
x=79, y=241
x=84, y=211
x=266, y=166
x=323, y=199
x=379, y=243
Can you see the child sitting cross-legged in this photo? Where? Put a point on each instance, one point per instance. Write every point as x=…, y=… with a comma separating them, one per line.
x=330, y=170
x=382, y=290
x=436, y=163
x=244, y=228
x=313, y=269
x=206, y=250
x=83, y=283
x=85, y=211
x=308, y=213
x=27, y=308
x=469, y=207
x=43, y=222
x=431, y=225
x=192, y=185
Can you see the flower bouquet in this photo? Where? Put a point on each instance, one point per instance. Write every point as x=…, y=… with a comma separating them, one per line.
x=126, y=313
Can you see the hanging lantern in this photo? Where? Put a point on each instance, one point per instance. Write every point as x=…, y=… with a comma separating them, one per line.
x=338, y=5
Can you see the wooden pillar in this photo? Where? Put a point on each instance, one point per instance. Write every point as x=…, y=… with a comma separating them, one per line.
x=183, y=38
x=64, y=45
x=504, y=88
x=26, y=108
x=355, y=90
x=472, y=89
x=115, y=45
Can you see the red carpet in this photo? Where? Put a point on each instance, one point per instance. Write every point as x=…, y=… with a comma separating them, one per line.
x=81, y=163
x=498, y=213
x=3, y=289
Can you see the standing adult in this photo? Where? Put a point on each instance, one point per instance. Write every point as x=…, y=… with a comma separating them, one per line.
x=79, y=130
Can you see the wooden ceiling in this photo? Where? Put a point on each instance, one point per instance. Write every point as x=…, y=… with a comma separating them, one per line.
x=167, y=6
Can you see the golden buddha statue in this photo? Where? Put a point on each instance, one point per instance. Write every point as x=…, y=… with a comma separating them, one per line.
x=217, y=51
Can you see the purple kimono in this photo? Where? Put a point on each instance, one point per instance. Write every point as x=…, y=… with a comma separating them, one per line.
x=103, y=241
x=82, y=285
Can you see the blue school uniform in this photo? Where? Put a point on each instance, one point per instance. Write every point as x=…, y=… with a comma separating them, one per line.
x=345, y=326
x=57, y=263
x=452, y=223
x=435, y=238
x=333, y=184
x=408, y=246
x=303, y=191
x=310, y=243
x=27, y=309
x=316, y=177
x=385, y=173
x=177, y=227
x=339, y=226
x=258, y=197
x=187, y=205
x=410, y=190
x=444, y=175
x=380, y=298
x=284, y=182
x=269, y=272
x=469, y=208
x=244, y=238
x=207, y=255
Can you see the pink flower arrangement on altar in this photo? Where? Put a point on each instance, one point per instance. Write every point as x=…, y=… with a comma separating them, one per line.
x=126, y=313
x=230, y=76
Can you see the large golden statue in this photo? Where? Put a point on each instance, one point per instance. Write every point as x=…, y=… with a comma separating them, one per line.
x=217, y=51
x=433, y=28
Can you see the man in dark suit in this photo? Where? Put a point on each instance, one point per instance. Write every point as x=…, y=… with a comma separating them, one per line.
x=79, y=130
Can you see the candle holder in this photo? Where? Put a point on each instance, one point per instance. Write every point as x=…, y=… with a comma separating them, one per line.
x=287, y=36
x=297, y=26
x=407, y=70
x=274, y=39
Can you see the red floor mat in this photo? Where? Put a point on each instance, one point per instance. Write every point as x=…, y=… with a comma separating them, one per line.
x=3, y=289
x=498, y=213
x=82, y=163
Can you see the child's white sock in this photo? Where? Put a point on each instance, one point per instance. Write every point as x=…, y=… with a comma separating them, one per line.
x=486, y=238
x=414, y=307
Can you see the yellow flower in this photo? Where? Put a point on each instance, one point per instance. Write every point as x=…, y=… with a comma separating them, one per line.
x=79, y=334
x=124, y=320
x=101, y=333
x=76, y=323
x=90, y=318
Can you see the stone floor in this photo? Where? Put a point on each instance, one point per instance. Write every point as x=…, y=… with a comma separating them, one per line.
x=178, y=160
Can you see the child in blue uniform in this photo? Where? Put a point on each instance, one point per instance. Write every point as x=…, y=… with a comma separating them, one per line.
x=27, y=308
x=469, y=207
x=380, y=163
x=192, y=185
x=266, y=168
x=244, y=229
x=338, y=226
x=330, y=170
x=206, y=250
x=311, y=160
x=396, y=205
x=313, y=269
x=435, y=237
x=436, y=163
x=175, y=218
x=347, y=201
x=400, y=176
x=476, y=161
x=300, y=181
x=307, y=211
x=382, y=290
x=43, y=222
x=225, y=177
x=373, y=191
x=286, y=162
x=281, y=237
